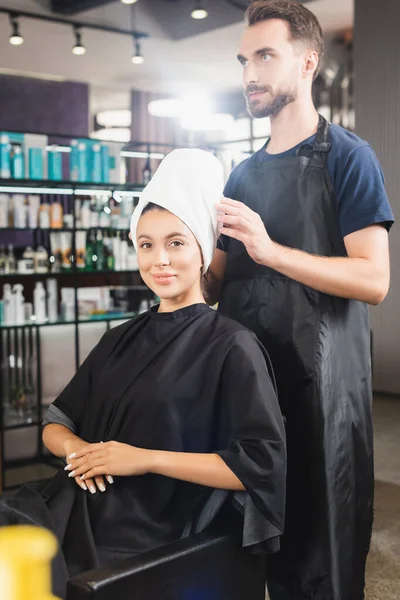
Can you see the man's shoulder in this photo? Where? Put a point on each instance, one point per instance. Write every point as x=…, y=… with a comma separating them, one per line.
x=345, y=142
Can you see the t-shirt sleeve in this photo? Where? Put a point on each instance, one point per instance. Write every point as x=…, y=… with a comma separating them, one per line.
x=229, y=192
x=361, y=194
x=252, y=437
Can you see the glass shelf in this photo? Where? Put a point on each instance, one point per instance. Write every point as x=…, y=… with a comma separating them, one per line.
x=69, y=229
x=104, y=318
x=68, y=188
x=68, y=273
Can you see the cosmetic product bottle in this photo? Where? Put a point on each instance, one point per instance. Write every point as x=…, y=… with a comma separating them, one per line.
x=5, y=162
x=39, y=302
x=41, y=260
x=56, y=214
x=18, y=298
x=74, y=161
x=18, y=164
x=52, y=299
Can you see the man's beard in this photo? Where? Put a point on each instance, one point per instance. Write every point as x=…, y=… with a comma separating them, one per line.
x=261, y=110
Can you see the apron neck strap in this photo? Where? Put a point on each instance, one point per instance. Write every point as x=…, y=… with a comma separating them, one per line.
x=321, y=143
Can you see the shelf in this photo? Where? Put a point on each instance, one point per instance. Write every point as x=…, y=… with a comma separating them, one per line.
x=69, y=229
x=68, y=273
x=19, y=424
x=65, y=187
x=82, y=320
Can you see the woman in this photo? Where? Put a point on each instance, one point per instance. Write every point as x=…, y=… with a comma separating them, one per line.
x=172, y=414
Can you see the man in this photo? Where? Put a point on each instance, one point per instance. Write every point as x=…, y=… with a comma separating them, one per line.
x=304, y=250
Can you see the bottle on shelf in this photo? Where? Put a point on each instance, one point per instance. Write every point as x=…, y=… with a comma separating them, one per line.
x=18, y=299
x=109, y=263
x=27, y=264
x=146, y=173
x=39, y=302
x=85, y=215
x=94, y=214
x=99, y=251
x=55, y=249
x=41, y=258
x=123, y=251
x=80, y=245
x=3, y=260
x=11, y=263
x=91, y=256
x=17, y=163
x=8, y=300
x=5, y=162
x=44, y=215
x=116, y=246
x=52, y=299
x=56, y=214
x=74, y=161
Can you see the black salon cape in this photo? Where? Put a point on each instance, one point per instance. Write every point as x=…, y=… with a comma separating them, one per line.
x=187, y=381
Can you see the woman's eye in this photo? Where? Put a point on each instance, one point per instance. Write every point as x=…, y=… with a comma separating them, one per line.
x=145, y=245
x=265, y=57
x=176, y=244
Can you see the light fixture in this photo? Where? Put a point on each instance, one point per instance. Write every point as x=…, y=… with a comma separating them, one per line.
x=16, y=38
x=137, y=58
x=165, y=107
x=199, y=11
x=79, y=48
x=114, y=118
x=212, y=122
x=129, y=1
x=113, y=134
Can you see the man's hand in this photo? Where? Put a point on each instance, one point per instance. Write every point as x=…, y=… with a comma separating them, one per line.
x=243, y=224
x=110, y=458
x=72, y=448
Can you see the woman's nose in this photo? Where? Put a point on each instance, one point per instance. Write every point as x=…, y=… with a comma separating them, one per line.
x=161, y=258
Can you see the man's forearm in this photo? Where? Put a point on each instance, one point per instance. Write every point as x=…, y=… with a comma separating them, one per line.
x=355, y=278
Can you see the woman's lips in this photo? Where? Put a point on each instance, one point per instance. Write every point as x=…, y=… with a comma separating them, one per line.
x=163, y=279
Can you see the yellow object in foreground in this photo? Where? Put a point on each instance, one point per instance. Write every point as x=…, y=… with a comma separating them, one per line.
x=25, y=562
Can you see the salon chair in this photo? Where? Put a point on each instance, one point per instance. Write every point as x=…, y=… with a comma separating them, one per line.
x=207, y=566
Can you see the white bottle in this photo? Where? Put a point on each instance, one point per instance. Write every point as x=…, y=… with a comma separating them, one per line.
x=123, y=254
x=29, y=259
x=41, y=260
x=39, y=302
x=85, y=214
x=19, y=310
x=52, y=299
x=9, y=312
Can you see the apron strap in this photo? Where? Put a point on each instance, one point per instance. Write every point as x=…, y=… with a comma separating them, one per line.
x=321, y=145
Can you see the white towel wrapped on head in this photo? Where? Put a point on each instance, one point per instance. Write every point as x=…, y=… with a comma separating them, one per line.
x=188, y=183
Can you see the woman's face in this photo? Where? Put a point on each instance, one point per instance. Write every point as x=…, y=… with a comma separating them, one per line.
x=169, y=256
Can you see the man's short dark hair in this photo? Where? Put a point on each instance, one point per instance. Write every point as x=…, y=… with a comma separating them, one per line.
x=303, y=24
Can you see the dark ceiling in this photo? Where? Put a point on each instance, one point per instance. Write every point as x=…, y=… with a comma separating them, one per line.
x=173, y=15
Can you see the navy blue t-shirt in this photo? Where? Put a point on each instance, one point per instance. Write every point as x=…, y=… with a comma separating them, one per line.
x=356, y=177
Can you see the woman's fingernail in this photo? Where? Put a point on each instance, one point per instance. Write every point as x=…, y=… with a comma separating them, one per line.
x=71, y=474
x=82, y=476
x=67, y=467
x=92, y=489
x=110, y=479
x=72, y=455
x=84, y=486
x=102, y=487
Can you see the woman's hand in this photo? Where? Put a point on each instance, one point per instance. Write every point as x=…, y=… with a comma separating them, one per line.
x=71, y=448
x=109, y=458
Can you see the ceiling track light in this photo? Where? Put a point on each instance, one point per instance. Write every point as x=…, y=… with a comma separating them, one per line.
x=129, y=1
x=16, y=38
x=199, y=11
x=79, y=48
x=137, y=57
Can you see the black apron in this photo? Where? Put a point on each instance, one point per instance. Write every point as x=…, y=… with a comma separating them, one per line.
x=320, y=350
